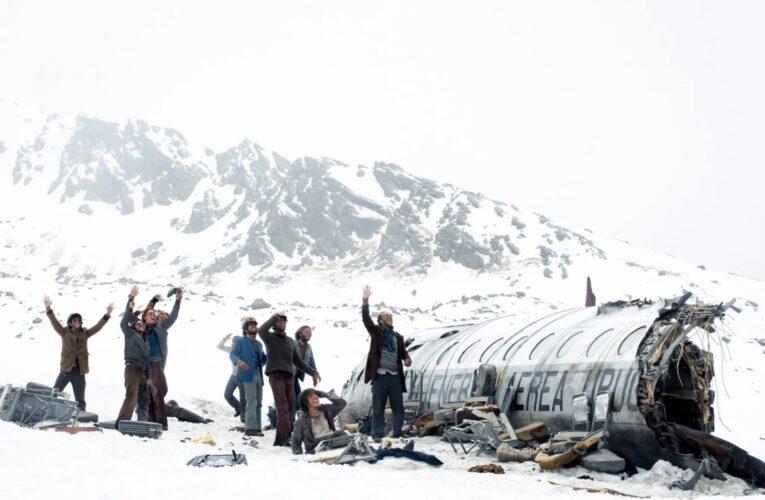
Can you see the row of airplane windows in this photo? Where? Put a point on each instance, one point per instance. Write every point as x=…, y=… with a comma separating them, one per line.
x=595, y=346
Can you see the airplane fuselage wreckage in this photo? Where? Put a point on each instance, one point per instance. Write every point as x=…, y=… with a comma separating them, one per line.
x=630, y=369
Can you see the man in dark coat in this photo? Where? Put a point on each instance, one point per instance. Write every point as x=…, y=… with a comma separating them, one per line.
x=74, y=350
x=283, y=358
x=385, y=368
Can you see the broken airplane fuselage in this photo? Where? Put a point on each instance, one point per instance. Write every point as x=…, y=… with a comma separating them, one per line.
x=640, y=354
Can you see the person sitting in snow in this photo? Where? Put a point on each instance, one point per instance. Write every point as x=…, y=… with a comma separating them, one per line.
x=318, y=420
x=74, y=349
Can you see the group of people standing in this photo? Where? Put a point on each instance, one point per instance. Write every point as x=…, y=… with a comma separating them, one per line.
x=145, y=353
x=283, y=360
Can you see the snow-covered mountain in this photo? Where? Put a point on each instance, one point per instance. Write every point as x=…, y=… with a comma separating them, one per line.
x=91, y=207
x=249, y=215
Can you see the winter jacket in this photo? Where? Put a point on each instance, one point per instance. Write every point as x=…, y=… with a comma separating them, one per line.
x=74, y=343
x=136, y=347
x=375, y=348
x=282, y=353
x=161, y=327
x=307, y=356
x=302, y=434
x=251, y=352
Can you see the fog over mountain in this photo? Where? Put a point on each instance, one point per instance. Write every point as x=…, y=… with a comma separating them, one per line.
x=142, y=197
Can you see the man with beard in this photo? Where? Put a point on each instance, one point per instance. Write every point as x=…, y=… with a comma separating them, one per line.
x=302, y=337
x=248, y=356
x=74, y=350
x=136, y=358
x=156, y=336
x=385, y=368
x=283, y=358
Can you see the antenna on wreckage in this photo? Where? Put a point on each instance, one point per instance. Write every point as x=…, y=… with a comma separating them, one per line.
x=589, y=300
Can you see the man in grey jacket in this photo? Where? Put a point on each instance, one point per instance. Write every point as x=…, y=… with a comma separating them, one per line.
x=302, y=338
x=136, y=358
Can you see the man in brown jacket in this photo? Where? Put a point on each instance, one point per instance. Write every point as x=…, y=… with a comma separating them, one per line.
x=74, y=349
x=385, y=368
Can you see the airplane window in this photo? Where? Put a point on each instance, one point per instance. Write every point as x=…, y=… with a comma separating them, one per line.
x=567, y=344
x=466, y=350
x=438, y=362
x=514, y=344
x=541, y=346
x=631, y=340
x=487, y=349
x=597, y=344
x=413, y=348
x=449, y=334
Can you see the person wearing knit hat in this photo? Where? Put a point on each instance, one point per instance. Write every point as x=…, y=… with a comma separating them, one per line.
x=74, y=350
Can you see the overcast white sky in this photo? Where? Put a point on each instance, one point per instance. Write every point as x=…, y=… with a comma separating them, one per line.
x=644, y=121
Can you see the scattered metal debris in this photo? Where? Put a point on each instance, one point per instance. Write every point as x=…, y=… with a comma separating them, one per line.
x=218, y=460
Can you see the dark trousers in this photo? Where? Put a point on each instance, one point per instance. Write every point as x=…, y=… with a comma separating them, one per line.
x=295, y=402
x=240, y=405
x=78, y=385
x=157, y=410
x=386, y=387
x=135, y=381
x=281, y=385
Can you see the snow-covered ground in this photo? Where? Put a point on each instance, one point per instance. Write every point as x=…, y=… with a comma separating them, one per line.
x=41, y=464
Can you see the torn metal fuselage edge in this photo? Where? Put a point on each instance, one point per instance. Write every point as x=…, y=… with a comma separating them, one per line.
x=639, y=353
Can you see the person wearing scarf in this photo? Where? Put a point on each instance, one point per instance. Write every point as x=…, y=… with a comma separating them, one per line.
x=385, y=368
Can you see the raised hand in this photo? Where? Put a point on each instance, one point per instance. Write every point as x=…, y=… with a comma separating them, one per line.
x=228, y=336
x=134, y=291
x=158, y=297
x=367, y=292
x=109, y=309
x=47, y=302
x=179, y=293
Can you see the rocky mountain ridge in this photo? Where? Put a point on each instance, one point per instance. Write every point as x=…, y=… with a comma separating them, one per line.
x=273, y=211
